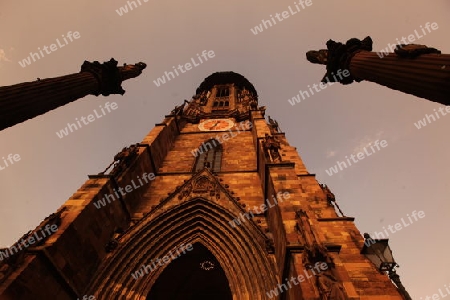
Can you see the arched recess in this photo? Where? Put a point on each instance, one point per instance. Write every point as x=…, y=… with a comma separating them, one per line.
x=194, y=275
x=240, y=252
x=210, y=157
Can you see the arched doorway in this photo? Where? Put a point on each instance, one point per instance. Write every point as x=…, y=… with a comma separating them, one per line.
x=198, y=221
x=196, y=275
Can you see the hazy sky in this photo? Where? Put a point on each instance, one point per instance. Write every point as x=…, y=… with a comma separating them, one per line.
x=411, y=173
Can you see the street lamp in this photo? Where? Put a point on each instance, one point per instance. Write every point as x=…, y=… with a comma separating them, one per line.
x=380, y=254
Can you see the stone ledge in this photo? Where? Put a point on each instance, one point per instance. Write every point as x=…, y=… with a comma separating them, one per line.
x=351, y=219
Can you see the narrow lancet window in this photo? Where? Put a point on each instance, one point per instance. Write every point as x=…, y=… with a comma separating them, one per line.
x=210, y=156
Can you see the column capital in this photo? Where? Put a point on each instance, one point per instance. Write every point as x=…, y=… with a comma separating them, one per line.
x=337, y=56
x=109, y=76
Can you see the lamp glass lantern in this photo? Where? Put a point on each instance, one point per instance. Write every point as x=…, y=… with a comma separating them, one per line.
x=379, y=253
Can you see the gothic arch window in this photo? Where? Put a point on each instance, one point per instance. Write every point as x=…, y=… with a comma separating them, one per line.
x=221, y=101
x=210, y=156
x=222, y=92
x=238, y=95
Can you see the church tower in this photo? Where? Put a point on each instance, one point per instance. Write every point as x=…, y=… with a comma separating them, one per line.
x=213, y=204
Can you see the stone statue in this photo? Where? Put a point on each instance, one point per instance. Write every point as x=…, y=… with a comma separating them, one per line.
x=270, y=244
x=330, y=196
x=203, y=98
x=414, y=50
x=176, y=110
x=272, y=146
x=123, y=159
x=329, y=287
x=194, y=108
x=317, y=57
x=317, y=253
x=262, y=109
x=253, y=104
x=274, y=128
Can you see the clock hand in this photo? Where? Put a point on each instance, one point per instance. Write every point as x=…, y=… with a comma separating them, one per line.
x=214, y=125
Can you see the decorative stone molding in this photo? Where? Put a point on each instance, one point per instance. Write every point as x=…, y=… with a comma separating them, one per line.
x=122, y=160
x=241, y=251
x=338, y=57
x=272, y=146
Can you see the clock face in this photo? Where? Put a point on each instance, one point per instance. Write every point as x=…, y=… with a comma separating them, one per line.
x=216, y=125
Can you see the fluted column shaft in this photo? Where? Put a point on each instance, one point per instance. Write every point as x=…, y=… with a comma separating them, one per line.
x=413, y=69
x=426, y=76
x=24, y=101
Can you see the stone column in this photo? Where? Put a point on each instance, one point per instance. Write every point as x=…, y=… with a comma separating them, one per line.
x=412, y=69
x=24, y=101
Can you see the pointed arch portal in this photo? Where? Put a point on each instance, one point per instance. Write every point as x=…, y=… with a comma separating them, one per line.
x=244, y=268
x=196, y=275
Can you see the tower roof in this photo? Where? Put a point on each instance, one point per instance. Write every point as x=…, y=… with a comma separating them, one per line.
x=224, y=78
